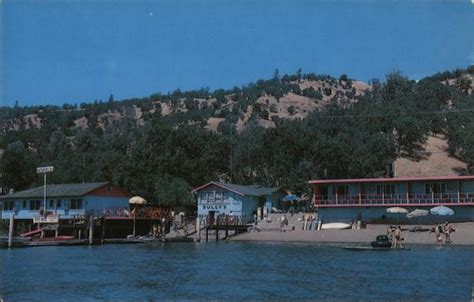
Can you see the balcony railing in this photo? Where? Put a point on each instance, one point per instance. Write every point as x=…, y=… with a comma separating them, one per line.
x=395, y=199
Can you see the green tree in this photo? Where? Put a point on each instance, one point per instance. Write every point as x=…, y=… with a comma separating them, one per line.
x=18, y=166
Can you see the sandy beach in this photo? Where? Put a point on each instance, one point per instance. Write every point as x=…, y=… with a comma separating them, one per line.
x=464, y=235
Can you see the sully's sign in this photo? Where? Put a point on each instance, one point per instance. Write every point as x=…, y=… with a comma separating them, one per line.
x=214, y=207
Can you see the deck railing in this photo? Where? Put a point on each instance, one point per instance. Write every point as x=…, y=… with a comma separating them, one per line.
x=47, y=219
x=394, y=199
x=224, y=220
x=138, y=213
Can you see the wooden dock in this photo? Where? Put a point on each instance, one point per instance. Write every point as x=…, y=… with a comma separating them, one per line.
x=224, y=223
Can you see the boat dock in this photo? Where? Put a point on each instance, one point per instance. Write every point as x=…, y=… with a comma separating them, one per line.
x=225, y=223
x=112, y=226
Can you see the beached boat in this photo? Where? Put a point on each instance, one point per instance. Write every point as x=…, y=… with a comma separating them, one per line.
x=335, y=226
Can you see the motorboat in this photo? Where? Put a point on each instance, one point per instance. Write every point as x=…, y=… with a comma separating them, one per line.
x=381, y=241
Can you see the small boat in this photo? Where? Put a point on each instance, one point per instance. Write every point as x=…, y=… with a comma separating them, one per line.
x=126, y=240
x=16, y=241
x=370, y=248
x=382, y=241
x=335, y=226
x=179, y=239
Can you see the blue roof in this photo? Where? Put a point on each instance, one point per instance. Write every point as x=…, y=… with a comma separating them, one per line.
x=251, y=190
x=61, y=190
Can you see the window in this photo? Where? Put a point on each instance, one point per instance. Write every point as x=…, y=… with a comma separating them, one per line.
x=51, y=204
x=451, y=186
x=439, y=188
x=436, y=188
x=35, y=205
x=225, y=197
x=25, y=204
x=8, y=205
x=76, y=204
x=211, y=196
x=58, y=203
x=340, y=190
x=324, y=190
x=386, y=189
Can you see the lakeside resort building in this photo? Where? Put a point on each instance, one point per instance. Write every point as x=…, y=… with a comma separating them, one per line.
x=217, y=198
x=367, y=199
x=63, y=202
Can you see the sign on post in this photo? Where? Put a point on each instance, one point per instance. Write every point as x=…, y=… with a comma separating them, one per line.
x=44, y=170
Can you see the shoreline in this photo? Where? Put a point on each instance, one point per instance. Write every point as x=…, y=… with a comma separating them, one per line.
x=463, y=236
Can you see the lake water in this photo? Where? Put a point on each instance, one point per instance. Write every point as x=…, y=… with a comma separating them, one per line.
x=235, y=271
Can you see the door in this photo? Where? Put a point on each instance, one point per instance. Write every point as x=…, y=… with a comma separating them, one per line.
x=211, y=217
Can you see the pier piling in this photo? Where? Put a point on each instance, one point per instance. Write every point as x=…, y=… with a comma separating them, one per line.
x=10, y=231
x=103, y=229
x=198, y=228
x=91, y=230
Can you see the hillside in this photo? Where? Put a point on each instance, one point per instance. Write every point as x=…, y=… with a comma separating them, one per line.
x=265, y=102
x=277, y=132
x=437, y=161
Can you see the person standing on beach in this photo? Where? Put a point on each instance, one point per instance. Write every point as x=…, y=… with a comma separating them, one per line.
x=448, y=229
x=398, y=237
x=390, y=235
x=438, y=233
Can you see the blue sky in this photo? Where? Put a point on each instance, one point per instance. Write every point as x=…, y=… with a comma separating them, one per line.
x=57, y=52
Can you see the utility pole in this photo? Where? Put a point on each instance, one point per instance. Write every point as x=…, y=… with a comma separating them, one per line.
x=44, y=171
x=231, y=164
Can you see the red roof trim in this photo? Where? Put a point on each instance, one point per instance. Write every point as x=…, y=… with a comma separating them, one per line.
x=404, y=205
x=396, y=179
x=218, y=185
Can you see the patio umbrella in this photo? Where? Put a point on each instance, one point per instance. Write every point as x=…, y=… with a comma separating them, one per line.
x=442, y=211
x=397, y=210
x=136, y=200
x=417, y=213
x=290, y=197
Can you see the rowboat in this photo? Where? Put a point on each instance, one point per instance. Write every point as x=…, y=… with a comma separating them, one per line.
x=335, y=226
x=370, y=248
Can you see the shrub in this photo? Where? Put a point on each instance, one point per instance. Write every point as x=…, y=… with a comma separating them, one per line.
x=264, y=114
x=311, y=93
x=291, y=110
x=273, y=108
x=276, y=119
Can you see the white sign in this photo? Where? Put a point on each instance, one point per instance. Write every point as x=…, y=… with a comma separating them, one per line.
x=44, y=170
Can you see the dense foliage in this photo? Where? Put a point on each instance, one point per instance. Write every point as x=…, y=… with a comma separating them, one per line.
x=163, y=157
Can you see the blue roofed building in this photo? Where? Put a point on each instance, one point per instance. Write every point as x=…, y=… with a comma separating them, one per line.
x=217, y=198
x=63, y=200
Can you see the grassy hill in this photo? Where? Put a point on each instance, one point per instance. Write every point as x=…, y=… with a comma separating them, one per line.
x=280, y=131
